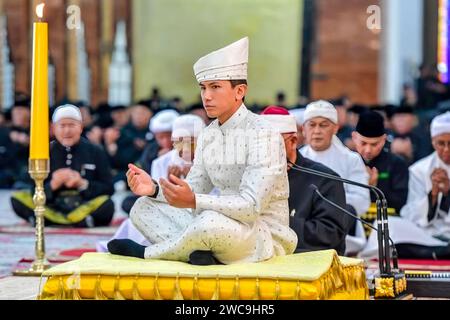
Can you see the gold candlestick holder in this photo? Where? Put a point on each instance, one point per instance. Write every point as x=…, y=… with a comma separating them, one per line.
x=39, y=170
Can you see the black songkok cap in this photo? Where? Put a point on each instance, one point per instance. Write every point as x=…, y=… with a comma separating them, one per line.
x=370, y=125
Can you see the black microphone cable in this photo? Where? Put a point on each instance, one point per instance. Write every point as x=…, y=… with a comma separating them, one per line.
x=383, y=229
x=316, y=190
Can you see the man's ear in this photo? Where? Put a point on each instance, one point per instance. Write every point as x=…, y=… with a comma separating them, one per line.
x=241, y=91
x=336, y=129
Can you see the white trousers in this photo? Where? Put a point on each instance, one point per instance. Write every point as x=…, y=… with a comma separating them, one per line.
x=176, y=233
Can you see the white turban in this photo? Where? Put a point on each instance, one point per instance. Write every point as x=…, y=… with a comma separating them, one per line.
x=322, y=109
x=187, y=126
x=298, y=115
x=440, y=125
x=67, y=111
x=163, y=121
x=229, y=63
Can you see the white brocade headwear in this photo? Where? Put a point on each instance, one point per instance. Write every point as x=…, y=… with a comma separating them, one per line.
x=67, y=111
x=440, y=125
x=322, y=109
x=229, y=63
x=163, y=121
x=187, y=126
x=299, y=115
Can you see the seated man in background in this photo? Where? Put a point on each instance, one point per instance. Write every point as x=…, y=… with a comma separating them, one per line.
x=428, y=204
x=126, y=145
x=387, y=171
x=19, y=134
x=319, y=226
x=79, y=186
x=178, y=162
x=161, y=128
x=423, y=232
x=411, y=141
x=6, y=159
x=323, y=146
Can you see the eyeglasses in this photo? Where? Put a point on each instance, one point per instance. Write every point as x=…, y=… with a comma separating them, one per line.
x=442, y=144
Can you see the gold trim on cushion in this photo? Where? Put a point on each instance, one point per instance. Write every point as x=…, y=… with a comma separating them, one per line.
x=282, y=278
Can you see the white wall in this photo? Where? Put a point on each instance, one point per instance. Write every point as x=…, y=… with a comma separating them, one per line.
x=402, y=46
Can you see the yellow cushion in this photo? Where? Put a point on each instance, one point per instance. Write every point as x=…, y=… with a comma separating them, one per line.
x=312, y=275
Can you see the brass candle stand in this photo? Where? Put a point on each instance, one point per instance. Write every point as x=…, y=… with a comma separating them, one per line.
x=39, y=170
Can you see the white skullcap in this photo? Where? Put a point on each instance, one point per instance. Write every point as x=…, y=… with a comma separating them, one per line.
x=298, y=115
x=440, y=125
x=187, y=126
x=229, y=63
x=67, y=111
x=163, y=121
x=322, y=109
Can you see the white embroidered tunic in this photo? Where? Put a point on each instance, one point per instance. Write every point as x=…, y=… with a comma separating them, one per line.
x=249, y=220
x=417, y=208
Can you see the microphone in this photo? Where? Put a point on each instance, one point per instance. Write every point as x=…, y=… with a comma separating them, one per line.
x=335, y=205
x=381, y=203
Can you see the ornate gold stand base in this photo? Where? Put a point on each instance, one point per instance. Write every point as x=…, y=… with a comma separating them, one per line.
x=38, y=170
x=36, y=270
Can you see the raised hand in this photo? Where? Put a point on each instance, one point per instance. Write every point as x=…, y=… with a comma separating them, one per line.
x=177, y=192
x=140, y=182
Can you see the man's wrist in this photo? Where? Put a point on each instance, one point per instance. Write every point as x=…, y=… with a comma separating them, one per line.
x=156, y=191
x=194, y=203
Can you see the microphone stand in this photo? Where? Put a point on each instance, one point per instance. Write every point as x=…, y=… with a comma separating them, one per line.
x=391, y=282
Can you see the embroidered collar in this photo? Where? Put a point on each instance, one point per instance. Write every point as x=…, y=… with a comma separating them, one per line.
x=235, y=119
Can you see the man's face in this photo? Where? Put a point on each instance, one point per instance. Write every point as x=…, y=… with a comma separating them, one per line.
x=219, y=96
x=164, y=139
x=20, y=117
x=68, y=132
x=120, y=118
x=403, y=123
x=368, y=148
x=441, y=144
x=319, y=133
x=86, y=116
x=140, y=116
x=186, y=148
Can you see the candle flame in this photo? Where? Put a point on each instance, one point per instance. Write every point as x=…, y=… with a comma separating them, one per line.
x=40, y=10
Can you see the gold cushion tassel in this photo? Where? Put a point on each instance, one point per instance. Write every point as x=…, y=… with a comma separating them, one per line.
x=136, y=294
x=117, y=294
x=98, y=290
x=216, y=294
x=177, y=294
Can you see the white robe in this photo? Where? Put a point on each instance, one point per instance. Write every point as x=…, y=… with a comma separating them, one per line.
x=413, y=226
x=249, y=221
x=417, y=205
x=348, y=165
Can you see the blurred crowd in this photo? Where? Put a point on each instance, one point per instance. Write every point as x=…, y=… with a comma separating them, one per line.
x=125, y=133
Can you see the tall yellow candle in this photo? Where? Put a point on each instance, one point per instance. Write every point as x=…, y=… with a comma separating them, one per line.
x=39, y=137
